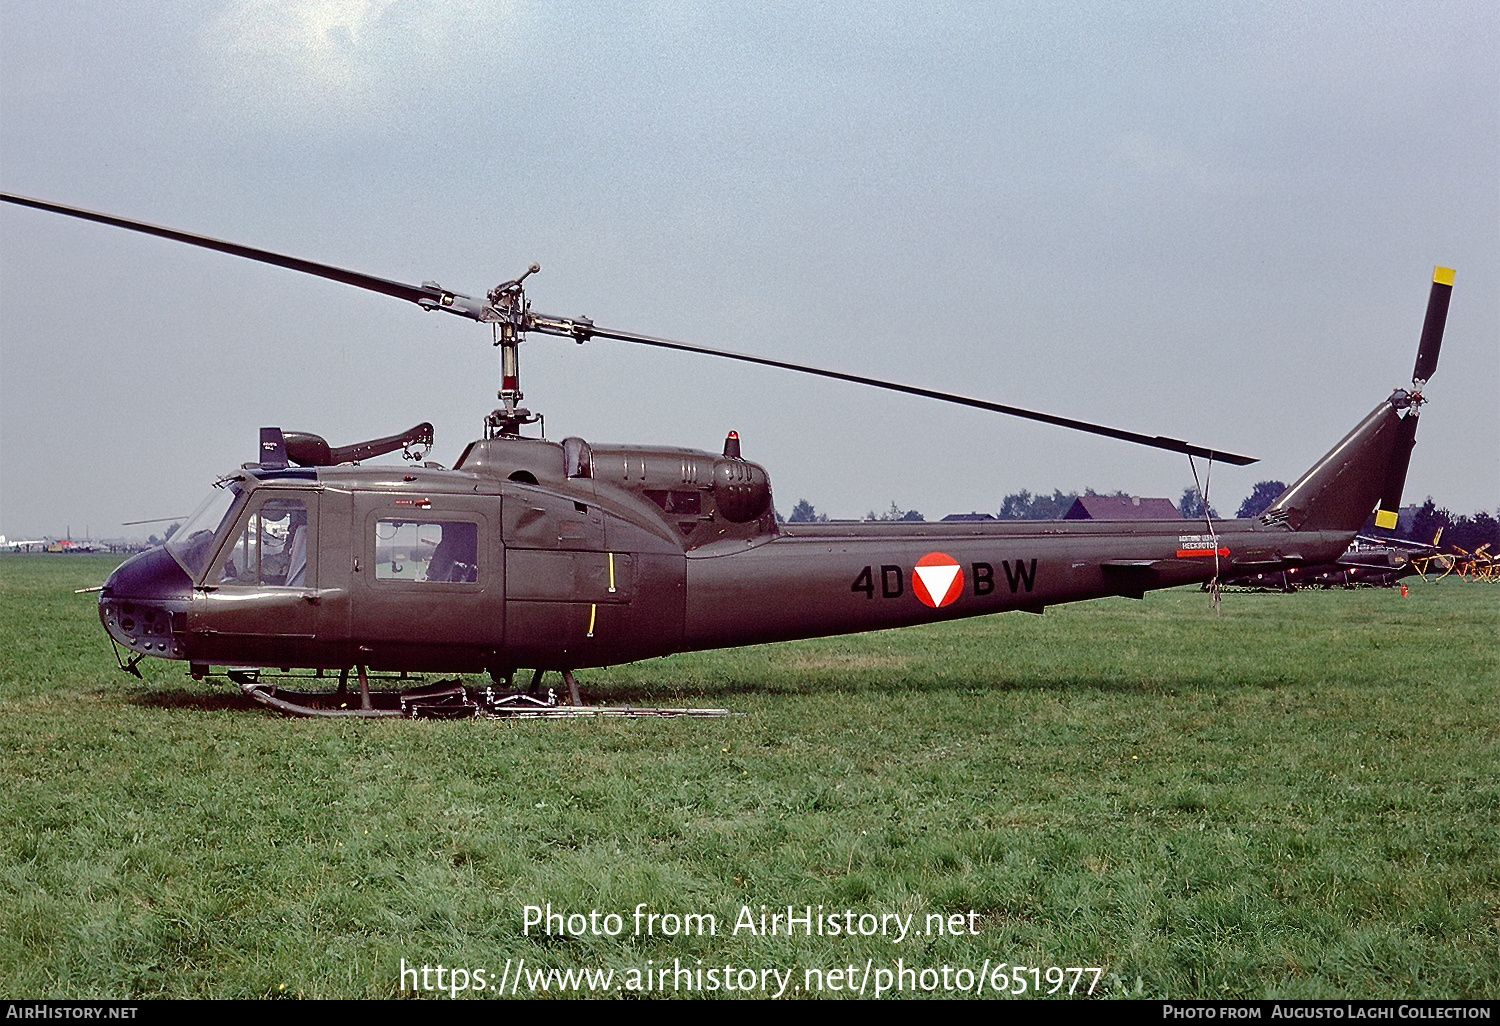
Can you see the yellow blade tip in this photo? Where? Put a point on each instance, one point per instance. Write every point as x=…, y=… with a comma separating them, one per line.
x=1385, y=519
x=1442, y=275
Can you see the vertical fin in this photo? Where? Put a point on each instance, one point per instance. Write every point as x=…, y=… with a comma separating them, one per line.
x=1339, y=491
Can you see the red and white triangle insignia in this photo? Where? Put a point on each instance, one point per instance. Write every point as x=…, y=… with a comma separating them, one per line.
x=938, y=580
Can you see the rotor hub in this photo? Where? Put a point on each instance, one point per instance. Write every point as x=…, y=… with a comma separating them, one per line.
x=509, y=313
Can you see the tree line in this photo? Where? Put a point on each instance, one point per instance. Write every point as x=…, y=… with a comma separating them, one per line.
x=805, y=513
x=1469, y=533
x=1466, y=532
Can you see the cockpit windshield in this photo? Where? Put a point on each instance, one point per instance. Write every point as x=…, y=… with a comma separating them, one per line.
x=193, y=542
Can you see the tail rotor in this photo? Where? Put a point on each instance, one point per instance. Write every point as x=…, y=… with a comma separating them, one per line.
x=1427, y=358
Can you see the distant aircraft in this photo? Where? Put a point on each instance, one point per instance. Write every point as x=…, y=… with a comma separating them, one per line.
x=69, y=545
x=1377, y=562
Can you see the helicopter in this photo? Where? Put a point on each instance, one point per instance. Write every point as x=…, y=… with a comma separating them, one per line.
x=554, y=556
x=1371, y=562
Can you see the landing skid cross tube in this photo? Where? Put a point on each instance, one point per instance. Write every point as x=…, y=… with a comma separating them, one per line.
x=445, y=700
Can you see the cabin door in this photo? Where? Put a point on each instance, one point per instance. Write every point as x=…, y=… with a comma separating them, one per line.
x=259, y=603
x=427, y=582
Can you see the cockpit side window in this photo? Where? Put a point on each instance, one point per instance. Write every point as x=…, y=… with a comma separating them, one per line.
x=272, y=548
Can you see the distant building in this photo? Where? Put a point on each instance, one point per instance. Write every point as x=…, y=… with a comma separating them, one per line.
x=1118, y=507
x=955, y=517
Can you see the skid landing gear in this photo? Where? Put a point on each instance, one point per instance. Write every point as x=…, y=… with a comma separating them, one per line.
x=444, y=700
x=534, y=689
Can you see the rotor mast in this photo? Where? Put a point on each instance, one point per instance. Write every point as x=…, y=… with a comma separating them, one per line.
x=508, y=313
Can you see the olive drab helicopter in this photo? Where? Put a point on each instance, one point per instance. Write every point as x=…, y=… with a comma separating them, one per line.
x=558, y=555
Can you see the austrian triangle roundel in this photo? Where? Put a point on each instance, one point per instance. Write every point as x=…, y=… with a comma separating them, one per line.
x=938, y=580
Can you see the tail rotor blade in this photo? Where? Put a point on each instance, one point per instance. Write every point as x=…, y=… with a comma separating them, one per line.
x=1432, y=327
x=1395, y=478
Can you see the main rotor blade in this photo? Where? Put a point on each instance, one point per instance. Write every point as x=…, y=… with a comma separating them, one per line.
x=1155, y=441
x=426, y=296
x=431, y=296
x=1432, y=326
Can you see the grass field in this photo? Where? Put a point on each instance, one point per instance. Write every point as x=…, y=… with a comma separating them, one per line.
x=1300, y=798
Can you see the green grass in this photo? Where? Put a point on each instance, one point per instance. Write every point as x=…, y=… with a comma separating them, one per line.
x=1300, y=798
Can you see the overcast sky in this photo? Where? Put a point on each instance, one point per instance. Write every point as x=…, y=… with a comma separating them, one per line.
x=1211, y=221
